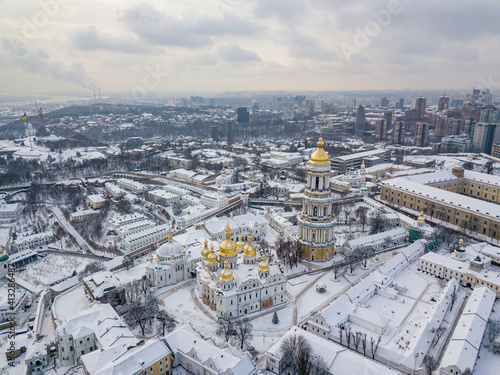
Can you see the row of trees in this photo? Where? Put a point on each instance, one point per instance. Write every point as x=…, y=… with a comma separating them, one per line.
x=298, y=354
x=238, y=332
x=143, y=308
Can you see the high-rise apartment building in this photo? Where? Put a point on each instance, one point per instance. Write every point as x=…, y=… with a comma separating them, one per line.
x=398, y=133
x=360, y=121
x=421, y=134
x=443, y=103
x=420, y=105
x=484, y=135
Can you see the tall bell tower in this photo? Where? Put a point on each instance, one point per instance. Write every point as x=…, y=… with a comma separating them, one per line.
x=316, y=222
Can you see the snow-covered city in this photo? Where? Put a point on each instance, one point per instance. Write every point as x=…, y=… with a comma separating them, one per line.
x=228, y=187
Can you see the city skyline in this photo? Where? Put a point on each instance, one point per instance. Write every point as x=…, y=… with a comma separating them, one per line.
x=55, y=47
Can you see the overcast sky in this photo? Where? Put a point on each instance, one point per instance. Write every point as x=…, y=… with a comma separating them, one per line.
x=69, y=46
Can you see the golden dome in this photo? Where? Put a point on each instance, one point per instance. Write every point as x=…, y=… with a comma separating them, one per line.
x=263, y=266
x=421, y=217
x=169, y=236
x=461, y=242
x=320, y=156
x=226, y=274
x=250, y=250
x=363, y=163
x=205, y=251
x=240, y=244
x=212, y=257
x=228, y=247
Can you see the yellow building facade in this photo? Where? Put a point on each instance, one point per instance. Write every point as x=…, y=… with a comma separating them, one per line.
x=316, y=225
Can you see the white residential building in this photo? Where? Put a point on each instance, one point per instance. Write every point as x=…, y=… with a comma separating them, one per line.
x=98, y=327
x=469, y=272
x=10, y=212
x=199, y=356
x=32, y=242
x=211, y=200
x=375, y=242
x=163, y=197
x=146, y=237
x=114, y=190
x=134, y=186
x=464, y=346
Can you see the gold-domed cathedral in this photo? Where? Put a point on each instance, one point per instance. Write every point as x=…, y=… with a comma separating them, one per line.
x=316, y=222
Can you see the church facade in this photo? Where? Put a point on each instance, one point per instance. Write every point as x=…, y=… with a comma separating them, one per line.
x=232, y=281
x=316, y=234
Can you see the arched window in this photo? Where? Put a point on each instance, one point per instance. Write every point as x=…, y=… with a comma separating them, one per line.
x=317, y=183
x=325, y=211
x=315, y=211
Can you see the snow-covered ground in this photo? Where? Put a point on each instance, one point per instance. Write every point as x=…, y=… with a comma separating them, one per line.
x=69, y=303
x=134, y=273
x=35, y=272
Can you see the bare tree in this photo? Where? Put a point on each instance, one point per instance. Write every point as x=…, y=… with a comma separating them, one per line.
x=337, y=268
x=127, y=262
x=137, y=315
x=167, y=321
x=377, y=224
x=225, y=326
x=347, y=210
x=364, y=255
x=361, y=215
x=363, y=343
x=493, y=329
x=453, y=296
x=298, y=354
x=348, y=337
x=374, y=345
x=90, y=269
x=467, y=371
x=243, y=332
x=437, y=335
x=144, y=285
x=352, y=263
x=356, y=338
x=293, y=347
x=430, y=364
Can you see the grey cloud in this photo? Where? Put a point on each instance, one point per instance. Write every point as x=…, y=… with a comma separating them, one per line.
x=91, y=39
x=306, y=47
x=233, y=53
x=38, y=62
x=285, y=10
x=194, y=31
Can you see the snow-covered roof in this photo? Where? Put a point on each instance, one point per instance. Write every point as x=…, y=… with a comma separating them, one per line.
x=187, y=341
x=118, y=360
x=466, y=339
x=448, y=197
x=378, y=238
x=338, y=359
x=102, y=320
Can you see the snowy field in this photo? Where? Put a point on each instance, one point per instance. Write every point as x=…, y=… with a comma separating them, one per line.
x=35, y=272
x=134, y=273
x=181, y=305
x=69, y=303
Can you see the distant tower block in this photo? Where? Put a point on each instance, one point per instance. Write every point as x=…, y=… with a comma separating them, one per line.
x=316, y=223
